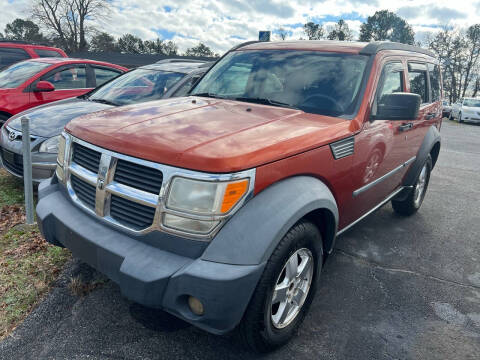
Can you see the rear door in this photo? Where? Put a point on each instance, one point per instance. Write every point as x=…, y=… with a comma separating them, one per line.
x=419, y=82
x=69, y=81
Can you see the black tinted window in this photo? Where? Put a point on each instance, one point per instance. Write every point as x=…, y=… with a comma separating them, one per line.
x=434, y=72
x=9, y=56
x=315, y=82
x=47, y=53
x=417, y=75
x=392, y=80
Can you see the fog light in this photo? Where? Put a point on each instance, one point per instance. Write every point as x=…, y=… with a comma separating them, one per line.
x=195, y=305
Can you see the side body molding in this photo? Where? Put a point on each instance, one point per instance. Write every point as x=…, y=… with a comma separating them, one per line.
x=252, y=234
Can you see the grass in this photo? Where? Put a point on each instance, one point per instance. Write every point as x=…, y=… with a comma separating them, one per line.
x=28, y=264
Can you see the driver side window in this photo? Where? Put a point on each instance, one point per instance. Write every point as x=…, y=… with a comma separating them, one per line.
x=391, y=81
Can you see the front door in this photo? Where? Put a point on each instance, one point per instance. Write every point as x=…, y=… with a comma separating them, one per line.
x=69, y=81
x=380, y=148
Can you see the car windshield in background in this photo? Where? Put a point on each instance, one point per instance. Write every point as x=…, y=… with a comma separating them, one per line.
x=315, y=82
x=471, y=102
x=18, y=73
x=136, y=86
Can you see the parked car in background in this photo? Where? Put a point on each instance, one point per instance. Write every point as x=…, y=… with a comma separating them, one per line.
x=15, y=51
x=466, y=110
x=168, y=78
x=34, y=82
x=446, y=109
x=221, y=207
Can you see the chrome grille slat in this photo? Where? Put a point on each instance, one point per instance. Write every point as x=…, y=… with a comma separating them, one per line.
x=84, y=191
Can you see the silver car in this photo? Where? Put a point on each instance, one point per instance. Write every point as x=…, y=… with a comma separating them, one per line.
x=165, y=79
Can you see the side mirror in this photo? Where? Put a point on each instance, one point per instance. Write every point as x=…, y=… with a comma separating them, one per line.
x=44, y=86
x=398, y=106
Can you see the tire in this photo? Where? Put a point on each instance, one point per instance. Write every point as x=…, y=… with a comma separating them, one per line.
x=261, y=328
x=3, y=119
x=414, y=200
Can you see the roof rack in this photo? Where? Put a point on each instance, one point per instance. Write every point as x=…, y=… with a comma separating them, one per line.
x=375, y=46
x=166, y=61
x=13, y=41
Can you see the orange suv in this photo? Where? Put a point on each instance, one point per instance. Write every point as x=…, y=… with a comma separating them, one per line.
x=222, y=207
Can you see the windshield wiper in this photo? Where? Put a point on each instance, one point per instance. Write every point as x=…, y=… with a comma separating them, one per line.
x=104, y=101
x=207, y=94
x=266, y=101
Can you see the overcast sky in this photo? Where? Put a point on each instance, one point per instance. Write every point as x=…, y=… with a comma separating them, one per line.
x=223, y=23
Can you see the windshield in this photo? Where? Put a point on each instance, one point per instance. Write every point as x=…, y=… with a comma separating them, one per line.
x=471, y=102
x=18, y=73
x=312, y=81
x=136, y=86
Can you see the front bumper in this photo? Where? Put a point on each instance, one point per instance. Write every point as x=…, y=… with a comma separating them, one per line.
x=157, y=270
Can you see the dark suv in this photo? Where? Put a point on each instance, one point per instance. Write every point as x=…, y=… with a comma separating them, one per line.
x=222, y=207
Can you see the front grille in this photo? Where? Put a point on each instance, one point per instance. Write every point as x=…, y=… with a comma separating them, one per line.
x=84, y=191
x=138, y=176
x=131, y=214
x=13, y=162
x=88, y=158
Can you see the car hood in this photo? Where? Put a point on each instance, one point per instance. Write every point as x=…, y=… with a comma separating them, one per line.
x=207, y=134
x=471, y=108
x=50, y=119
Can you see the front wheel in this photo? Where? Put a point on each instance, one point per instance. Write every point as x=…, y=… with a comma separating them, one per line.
x=285, y=290
x=414, y=200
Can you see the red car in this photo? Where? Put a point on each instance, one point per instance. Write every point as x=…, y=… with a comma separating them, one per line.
x=14, y=51
x=35, y=82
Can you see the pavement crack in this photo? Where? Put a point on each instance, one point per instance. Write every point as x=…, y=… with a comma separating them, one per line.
x=405, y=271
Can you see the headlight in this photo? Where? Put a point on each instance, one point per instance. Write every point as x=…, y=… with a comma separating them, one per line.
x=199, y=205
x=205, y=197
x=50, y=145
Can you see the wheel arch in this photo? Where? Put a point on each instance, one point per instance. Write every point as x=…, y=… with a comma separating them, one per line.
x=253, y=233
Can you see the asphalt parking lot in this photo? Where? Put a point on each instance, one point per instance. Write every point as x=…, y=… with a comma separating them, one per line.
x=395, y=288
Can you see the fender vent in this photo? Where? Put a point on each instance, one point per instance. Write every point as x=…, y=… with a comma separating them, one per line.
x=342, y=148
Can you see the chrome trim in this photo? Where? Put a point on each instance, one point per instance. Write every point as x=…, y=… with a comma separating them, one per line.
x=18, y=134
x=387, y=199
x=382, y=178
x=50, y=166
x=105, y=179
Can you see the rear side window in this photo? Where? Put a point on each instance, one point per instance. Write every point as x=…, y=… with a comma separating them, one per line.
x=417, y=75
x=434, y=73
x=8, y=56
x=72, y=77
x=102, y=75
x=47, y=53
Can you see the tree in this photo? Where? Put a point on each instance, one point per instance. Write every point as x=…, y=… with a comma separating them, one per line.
x=103, y=42
x=25, y=30
x=282, y=33
x=170, y=48
x=313, y=31
x=385, y=25
x=472, y=54
x=200, y=50
x=66, y=19
x=130, y=44
x=341, y=32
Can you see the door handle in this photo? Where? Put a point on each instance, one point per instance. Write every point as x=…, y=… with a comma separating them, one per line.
x=430, y=116
x=405, y=127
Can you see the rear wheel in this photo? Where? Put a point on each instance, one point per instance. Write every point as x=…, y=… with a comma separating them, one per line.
x=414, y=200
x=285, y=290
